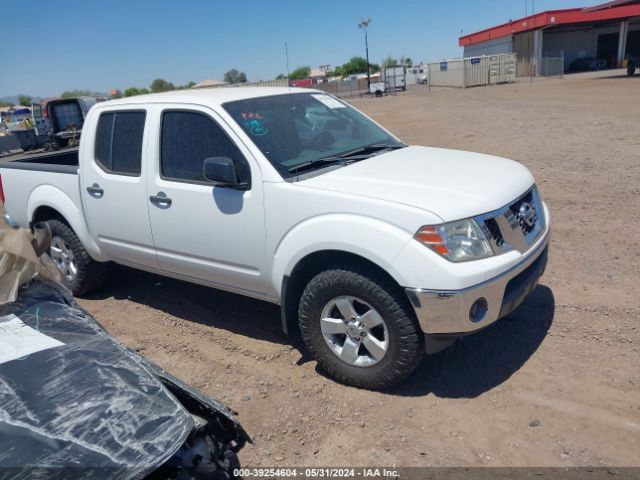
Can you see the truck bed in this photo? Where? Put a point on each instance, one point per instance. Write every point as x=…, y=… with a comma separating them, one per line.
x=61, y=161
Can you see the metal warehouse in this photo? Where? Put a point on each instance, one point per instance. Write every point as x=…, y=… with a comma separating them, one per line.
x=603, y=35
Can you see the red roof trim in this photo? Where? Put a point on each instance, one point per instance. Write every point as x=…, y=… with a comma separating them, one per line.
x=550, y=18
x=611, y=4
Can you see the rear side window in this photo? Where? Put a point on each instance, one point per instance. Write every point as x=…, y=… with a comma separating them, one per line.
x=118, y=147
x=188, y=138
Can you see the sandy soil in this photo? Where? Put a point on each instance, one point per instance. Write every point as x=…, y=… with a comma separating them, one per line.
x=567, y=360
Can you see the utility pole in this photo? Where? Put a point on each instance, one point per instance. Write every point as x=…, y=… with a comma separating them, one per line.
x=364, y=24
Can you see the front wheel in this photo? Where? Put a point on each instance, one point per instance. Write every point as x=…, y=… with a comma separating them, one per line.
x=359, y=328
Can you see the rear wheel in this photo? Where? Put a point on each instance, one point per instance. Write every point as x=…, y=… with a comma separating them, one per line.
x=359, y=328
x=80, y=273
x=631, y=69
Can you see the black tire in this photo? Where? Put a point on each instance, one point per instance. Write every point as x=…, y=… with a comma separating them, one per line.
x=406, y=340
x=90, y=274
x=631, y=69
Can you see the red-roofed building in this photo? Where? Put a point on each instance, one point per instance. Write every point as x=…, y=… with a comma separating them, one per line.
x=608, y=32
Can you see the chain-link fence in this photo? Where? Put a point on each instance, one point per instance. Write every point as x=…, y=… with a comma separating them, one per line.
x=551, y=66
x=344, y=88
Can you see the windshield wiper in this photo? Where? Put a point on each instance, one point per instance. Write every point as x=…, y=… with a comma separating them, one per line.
x=374, y=147
x=310, y=165
x=361, y=153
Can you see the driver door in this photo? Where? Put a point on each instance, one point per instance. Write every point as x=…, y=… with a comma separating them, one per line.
x=203, y=232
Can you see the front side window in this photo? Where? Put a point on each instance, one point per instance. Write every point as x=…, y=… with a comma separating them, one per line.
x=188, y=139
x=307, y=131
x=118, y=147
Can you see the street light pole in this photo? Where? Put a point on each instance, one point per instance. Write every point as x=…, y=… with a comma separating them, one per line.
x=364, y=24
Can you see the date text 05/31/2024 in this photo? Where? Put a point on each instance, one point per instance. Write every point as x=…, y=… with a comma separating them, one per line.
x=316, y=472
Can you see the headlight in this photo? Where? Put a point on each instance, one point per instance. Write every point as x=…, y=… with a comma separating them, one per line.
x=456, y=241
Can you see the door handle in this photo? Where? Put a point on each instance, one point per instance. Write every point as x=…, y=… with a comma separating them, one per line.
x=95, y=191
x=160, y=200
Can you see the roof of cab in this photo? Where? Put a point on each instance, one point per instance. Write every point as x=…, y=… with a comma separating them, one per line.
x=207, y=96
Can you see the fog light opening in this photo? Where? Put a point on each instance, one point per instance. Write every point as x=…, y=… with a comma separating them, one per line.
x=478, y=310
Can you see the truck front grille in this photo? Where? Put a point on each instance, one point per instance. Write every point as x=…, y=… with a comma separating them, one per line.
x=494, y=231
x=515, y=209
x=515, y=226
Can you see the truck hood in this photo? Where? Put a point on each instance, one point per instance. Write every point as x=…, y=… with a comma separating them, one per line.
x=452, y=184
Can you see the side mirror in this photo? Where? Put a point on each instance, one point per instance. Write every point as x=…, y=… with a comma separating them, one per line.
x=221, y=170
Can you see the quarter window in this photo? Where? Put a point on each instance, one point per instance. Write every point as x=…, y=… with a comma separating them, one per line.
x=188, y=139
x=118, y=147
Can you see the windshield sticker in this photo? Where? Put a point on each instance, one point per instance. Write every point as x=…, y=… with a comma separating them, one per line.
x=252, y=123
x=329, y=101
x=17, y=340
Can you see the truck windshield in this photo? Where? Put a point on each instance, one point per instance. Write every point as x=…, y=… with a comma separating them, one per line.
x=301, y=132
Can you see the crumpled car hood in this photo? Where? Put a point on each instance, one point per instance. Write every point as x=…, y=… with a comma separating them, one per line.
x=452, y=184
x=91, y=403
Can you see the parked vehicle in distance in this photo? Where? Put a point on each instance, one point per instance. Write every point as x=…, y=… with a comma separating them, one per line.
x=375, y=250
x=41, y=121
x=587, y=64
x=378, y=88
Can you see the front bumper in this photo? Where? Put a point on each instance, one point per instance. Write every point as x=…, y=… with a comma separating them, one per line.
x=450, y=311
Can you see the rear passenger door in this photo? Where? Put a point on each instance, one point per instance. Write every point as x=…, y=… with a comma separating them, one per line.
x=203, y=232
x=114, y=190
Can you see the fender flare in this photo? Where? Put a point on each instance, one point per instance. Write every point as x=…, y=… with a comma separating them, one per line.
x=56, y=199
x=370, y=238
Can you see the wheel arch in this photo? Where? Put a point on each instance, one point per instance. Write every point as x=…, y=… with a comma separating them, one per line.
x=47, y=203
x=306, y=268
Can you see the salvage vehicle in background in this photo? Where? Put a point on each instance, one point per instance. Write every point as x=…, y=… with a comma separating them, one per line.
x=66, y=117
x=78, y=404
x=376, y=251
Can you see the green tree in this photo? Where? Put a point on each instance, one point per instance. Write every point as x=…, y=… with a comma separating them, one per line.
x=184, y=87
x=300, y=73
x=235, y=76
x=131, y=91
x=389, y=62
x=161, y=85
x=6, y=104
x=336, y=72
x=281, y=76
x=24, y=100
x=405, y=61
x=358, y=65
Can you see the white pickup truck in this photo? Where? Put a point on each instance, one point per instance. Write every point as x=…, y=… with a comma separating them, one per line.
x=376, y=251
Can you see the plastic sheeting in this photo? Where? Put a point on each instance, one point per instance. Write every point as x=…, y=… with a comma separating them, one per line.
x=86, y=406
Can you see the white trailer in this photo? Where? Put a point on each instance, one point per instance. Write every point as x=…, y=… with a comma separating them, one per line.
x=395, y=78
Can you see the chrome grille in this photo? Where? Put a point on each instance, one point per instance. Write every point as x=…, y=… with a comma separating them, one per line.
x=494, y=231
x=515, y=226
x=516, y=207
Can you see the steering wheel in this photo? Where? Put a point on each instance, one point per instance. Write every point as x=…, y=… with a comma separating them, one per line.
x=322, y=141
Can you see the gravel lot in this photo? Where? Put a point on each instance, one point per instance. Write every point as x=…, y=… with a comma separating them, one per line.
x=554, y=384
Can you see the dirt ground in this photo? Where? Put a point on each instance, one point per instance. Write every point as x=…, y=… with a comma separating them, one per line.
x=557, y=383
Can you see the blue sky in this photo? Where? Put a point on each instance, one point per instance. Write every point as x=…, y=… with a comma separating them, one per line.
x=51, y=46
